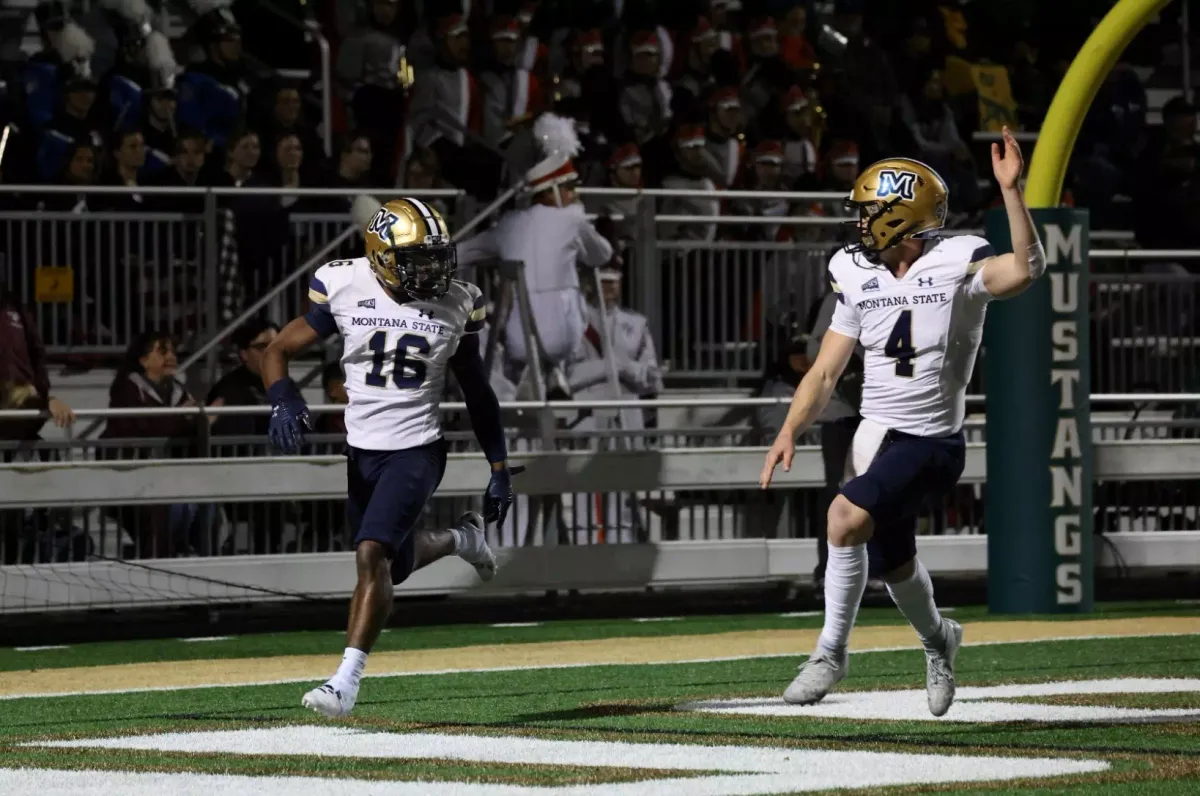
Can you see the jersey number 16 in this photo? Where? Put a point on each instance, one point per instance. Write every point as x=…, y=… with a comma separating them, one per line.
x=407, y=372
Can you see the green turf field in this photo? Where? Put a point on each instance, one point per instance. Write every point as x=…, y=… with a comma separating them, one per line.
x=717, y=727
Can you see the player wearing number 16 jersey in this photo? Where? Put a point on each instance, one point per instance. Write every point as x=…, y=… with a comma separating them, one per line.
x=916, y=302
x=404, y=321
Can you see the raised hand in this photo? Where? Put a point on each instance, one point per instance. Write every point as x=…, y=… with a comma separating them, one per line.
x=1007, y=163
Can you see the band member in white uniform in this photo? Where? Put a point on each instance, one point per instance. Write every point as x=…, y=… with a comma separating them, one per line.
x=550, y=237
x=634, y=362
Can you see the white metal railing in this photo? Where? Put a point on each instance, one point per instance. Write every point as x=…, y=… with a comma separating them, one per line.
x=1023, y=136
x=457, y=406
x=151, y=190
x=1144, y=254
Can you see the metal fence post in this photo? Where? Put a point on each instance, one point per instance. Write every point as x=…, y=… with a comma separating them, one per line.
x=649, y=268
x=211, y=304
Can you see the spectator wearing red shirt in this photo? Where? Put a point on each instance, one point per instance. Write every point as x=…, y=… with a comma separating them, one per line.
x=794, y=46
x=24, y=380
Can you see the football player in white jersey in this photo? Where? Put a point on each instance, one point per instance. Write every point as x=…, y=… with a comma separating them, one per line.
x=404, y=320
x=915, y=301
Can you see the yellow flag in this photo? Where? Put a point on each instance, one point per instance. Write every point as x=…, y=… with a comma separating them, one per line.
x=54, y=284
x=996, y=105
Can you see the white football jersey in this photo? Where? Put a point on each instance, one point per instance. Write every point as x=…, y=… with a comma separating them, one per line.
x=394, y=355
x=919, y=334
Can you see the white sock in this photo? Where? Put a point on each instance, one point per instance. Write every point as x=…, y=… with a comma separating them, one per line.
x=350, y=670
x=914, y=598
x=845, y=581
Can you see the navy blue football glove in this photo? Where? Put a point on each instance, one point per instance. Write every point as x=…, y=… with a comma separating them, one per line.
x=499, y=495
x=289, y=416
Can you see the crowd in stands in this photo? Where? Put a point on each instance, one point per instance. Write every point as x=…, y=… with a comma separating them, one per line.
x=442, y=92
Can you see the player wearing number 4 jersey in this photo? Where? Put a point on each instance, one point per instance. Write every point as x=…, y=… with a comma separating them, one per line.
x=916, y=302
x=404, y=321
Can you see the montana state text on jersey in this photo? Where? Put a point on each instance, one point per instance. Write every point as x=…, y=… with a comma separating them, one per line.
x=920, y=332
x=395, y=354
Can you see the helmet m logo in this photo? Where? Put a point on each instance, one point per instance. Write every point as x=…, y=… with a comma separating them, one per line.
x=382, y=223
x=896, y=183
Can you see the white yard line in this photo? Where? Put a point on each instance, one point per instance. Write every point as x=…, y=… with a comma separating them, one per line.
x=972, y=703
x=515, y=624
x=41, y=649
x=658, y=619
x=197, y=639
x=491, y=669
x=745, y=771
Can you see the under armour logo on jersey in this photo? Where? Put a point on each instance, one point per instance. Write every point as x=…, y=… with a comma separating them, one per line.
x=368, y=303
x=893, y=183
x=425, y=314
x=925, y=281
x=871, y=284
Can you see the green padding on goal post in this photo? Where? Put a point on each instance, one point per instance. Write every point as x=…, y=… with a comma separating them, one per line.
x=1039, y=438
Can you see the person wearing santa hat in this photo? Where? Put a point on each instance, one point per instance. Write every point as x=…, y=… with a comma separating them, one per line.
x=692, y=172
x=587, y=52
x=697, y=78
x=624, y=167
x=615, y=359
x=765, y=173
x=799, y=136
x=839, y=169
x=645, y=98
x=723, y=136
x=510, y=93
x=549, y=236
x=446, y=103
x=767, y=76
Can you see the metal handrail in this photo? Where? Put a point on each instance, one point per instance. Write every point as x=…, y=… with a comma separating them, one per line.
x=689, y=193
x=312, y=262
x=815, y=221
x=1143, y=254
x=456, y=406
x=313, y=28
x=1019, y=135
x=153, y=190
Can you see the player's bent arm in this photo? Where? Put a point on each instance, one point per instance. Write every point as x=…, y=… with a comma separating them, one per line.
x=1008, y=275
x=818, y=384
x=295, y=337
x=482, y=406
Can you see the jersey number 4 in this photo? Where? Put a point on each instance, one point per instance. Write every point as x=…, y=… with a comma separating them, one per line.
x=899, y=345
x=407, y=373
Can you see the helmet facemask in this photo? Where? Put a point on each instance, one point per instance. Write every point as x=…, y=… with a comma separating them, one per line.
x=878, y=225
x=423, y=272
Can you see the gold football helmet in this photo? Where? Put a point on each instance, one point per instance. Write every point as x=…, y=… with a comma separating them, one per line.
x=896, y=199
x=409, y=248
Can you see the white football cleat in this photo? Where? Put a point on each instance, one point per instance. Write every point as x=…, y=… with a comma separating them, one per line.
x=473, y=547
x=939, y=669
x=330, y=701
x=818, y=675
